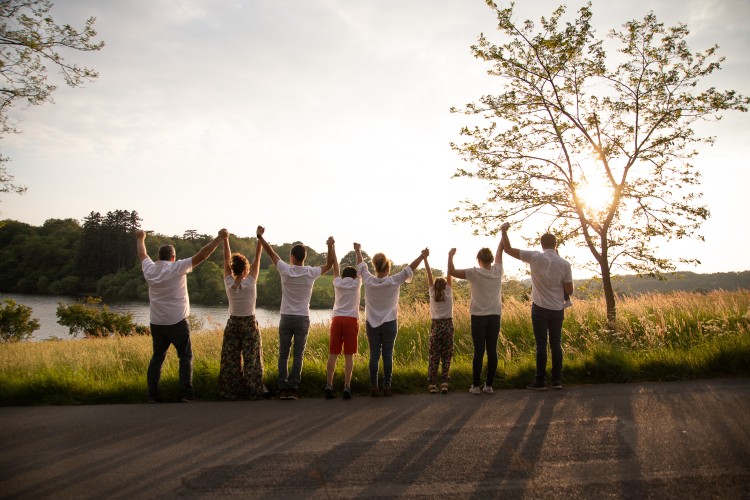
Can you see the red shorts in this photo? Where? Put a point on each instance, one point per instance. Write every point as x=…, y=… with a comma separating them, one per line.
x=344, y=331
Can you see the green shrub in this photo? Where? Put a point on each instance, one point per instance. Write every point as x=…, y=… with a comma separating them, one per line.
x=15, y=321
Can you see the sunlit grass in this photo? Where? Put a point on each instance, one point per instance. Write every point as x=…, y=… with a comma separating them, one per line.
x=659, y=337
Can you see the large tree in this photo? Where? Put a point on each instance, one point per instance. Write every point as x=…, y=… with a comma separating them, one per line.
x=31, y=42
x=571, y=124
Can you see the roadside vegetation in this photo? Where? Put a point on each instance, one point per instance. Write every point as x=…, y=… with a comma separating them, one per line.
x=659, y=338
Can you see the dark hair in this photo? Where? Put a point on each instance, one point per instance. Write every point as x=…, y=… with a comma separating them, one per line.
x=299, y=252
x=239, y=264
x=349, y=272
x=440, y=284
x=485, y=255
x=166, y=252
x=548, y=240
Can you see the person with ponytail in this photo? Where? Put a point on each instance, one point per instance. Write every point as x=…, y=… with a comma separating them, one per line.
x=381, y=312
x=441, y=329
x=486, y=309
x=241, y=366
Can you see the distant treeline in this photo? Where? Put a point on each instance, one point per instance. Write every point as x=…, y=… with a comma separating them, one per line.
x=97, y=257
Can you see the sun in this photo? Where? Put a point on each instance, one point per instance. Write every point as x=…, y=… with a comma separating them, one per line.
x=596, y=197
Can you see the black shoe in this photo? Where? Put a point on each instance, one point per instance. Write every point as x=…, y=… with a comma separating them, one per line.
x=291, y=394
x=153, y=399
x=556, y=384
x=537, y=386
x=347, y=393
x=329, y=392
x=188, y=399
x=283, y=394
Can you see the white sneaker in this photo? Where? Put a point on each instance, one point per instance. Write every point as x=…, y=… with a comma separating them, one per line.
x=475, y=390
x=487, y=389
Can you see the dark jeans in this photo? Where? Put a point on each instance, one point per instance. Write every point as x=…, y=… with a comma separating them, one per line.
x=547, y=322
x=292, y=328
x=484, y=333
x=381, y=339
x=162, y=337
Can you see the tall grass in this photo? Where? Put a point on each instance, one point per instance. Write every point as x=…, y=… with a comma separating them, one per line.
x=659, y=337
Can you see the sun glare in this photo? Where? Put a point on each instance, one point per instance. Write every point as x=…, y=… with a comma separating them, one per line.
x=595, y=197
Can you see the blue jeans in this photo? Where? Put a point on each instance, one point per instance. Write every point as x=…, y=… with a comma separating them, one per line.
x=381, y=339
x=484, y=333
x=162, y=336
x=292, y=328
x=547, y=322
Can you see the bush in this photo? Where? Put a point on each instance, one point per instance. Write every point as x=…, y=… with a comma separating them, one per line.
x=89, y=318
x=15, y=321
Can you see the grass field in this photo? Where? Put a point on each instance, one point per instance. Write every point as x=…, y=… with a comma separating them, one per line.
x=659, y=338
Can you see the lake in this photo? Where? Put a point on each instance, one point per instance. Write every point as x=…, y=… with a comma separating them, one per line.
x=44, y=308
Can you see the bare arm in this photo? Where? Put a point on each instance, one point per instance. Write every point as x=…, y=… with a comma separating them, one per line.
x=430, y=281
x=422, y=256
x=505, y=242
x=255, y=265
x=568, y=287
x=207, y=250
x=332, y=257
x=358, y=253
x=227, y=257
x=140, y=245
x=329, y=262
x=452, y=271
x=259, y=234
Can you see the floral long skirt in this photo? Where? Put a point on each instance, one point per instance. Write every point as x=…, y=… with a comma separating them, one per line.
x=241, y=368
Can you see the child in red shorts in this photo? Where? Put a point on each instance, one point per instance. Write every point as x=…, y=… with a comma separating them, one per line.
x=344, y=325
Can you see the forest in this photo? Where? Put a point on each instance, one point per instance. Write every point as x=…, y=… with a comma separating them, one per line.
x=97, y=257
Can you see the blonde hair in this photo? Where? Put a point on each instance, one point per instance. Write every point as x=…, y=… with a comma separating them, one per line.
x=381, y=263
x=485, y=255
x=440, y=285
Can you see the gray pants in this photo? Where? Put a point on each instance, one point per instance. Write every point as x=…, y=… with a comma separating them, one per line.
x=292, y=329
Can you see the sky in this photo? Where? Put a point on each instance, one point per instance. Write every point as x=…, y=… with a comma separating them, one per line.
x=321, y=117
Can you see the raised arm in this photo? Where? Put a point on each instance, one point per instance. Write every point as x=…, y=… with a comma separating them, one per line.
x=259, y=234
x=422, y=256
x=452, y=271
x=207, y=250
x=140, y=245
x=227, y=257
x=358, y=253
x=430, y=281
x=255, y=265
x=329, y=262
x=332, y=259
x=505, y=242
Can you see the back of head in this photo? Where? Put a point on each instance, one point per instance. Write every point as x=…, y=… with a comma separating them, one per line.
x=239, y=264
x=548, y=241
x=440, y=285
x=166, y=252
x=381, y=263
x=349, y=272
x=299, y=253
x=485, y=255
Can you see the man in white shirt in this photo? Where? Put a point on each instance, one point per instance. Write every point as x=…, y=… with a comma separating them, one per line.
x=169, y=307
x=551, y=280
x=296, y=289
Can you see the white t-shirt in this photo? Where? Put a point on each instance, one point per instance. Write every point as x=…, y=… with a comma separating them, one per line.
x=381, y=294
x=167, y=290
x=348, y=294
x=444, y=309
x=241, y=299
x=296, y=287
x=548, y=273
x=485, y=290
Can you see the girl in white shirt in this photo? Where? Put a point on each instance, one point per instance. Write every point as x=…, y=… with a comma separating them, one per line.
x=242, y=340
x=381, y=312
x=441, y=329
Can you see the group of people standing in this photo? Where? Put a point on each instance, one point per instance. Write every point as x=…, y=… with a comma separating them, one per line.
x=241, y=366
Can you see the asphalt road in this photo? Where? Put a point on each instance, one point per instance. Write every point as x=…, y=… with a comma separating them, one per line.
x=660, y=440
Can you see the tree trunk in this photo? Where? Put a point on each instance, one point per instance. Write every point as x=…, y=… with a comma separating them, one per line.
x=609, y=296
